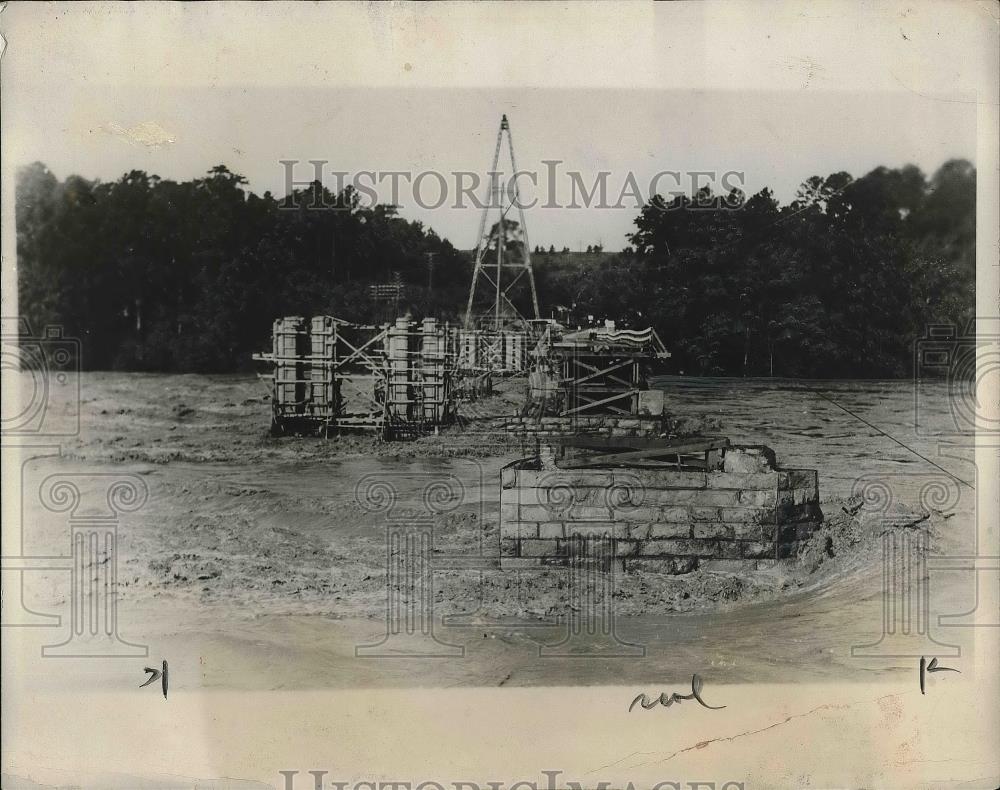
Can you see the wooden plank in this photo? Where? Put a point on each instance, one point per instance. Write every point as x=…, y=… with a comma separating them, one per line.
x=609, y=459
x=629, y=442
x=602, y=402
x=595, y=372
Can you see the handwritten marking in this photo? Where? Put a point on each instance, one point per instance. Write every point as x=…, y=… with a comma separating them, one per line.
x=666, y=702
x=926, y=667
x=157, y=674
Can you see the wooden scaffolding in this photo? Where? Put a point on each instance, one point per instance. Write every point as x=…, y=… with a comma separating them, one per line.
x=332, y=376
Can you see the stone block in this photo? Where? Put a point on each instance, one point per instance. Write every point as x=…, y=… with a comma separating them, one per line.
x=664, y=529
x=573, y=478
x=747, y=515
x=688, y=497
x=519, y=529
x=714, y=498
x=538, y=548
x=626, y=548
x=750, y=480
x=536, y=513
x=651, y=403
x=799, y=478
x=705, y=513
x=551, y=530
x=755, y=532
x=559, y=512
x=654, y=479
x=688, y=547
x=758, y=498
x=727, y=549
x=749, y=460
x=508, y=510
x=790, y=513
x=621, y=506
x=588, y=513
x=589, y=495
x=521, y=495
x=649, y=497
x=712, y=531
x=637, y=514
x=796, y=496
x=594, y=527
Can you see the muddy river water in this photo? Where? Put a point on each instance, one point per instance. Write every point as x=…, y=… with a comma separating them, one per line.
x=252, y=564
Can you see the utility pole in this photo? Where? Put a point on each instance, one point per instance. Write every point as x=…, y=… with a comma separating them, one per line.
x=430, y=269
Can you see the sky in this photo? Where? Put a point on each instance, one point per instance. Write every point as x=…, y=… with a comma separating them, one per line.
x=175, y=93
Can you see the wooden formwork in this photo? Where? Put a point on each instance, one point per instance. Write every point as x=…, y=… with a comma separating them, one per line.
x=330, y=375
x=604, y=383
x=486, y=350
x=420, y=378
x=600, y=371
x=288, y=340
x=359, y=377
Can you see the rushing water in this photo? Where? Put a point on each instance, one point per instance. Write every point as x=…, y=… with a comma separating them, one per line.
x=282, y=502
x=847, y=430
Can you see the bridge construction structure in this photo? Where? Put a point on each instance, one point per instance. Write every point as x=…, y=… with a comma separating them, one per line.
x=503, y=273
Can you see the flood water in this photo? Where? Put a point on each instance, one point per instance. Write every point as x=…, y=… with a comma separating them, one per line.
x=250, y=567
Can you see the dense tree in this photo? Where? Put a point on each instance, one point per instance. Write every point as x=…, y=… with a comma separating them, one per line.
x=155, y=274
x=160, y=275
x=840, y=282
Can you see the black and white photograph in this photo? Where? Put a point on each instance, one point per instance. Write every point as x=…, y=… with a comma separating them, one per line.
x=500, y=395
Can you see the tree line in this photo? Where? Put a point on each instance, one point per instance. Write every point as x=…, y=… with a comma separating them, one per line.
x=838, y=283
x=154, y=274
